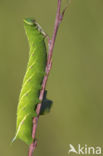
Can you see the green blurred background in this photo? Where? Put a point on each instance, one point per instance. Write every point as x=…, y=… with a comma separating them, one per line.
x=76, y=81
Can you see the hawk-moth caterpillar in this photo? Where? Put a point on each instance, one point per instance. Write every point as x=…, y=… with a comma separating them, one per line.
x=29, y=95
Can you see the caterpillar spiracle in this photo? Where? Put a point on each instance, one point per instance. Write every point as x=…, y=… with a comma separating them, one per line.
x=29, y=95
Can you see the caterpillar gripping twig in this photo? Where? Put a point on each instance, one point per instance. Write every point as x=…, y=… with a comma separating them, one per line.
x=29, y=96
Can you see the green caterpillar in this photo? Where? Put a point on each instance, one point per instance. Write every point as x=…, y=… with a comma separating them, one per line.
x=29, y=96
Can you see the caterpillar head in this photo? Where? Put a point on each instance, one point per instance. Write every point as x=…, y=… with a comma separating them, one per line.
x=31, y=23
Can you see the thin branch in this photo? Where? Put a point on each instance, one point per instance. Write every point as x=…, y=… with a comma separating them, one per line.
x=59, y=18
x=32, y=148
